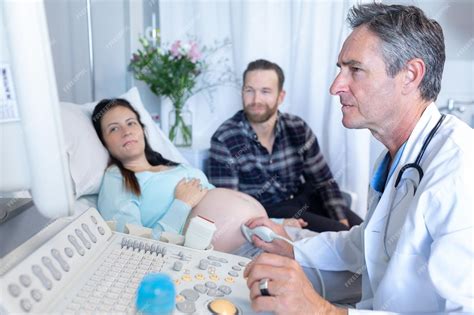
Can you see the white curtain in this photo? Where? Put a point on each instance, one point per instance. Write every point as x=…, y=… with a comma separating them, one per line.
x=304, y=38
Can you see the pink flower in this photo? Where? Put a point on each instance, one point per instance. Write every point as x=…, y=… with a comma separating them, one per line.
x=175, y=49
x=194, y=54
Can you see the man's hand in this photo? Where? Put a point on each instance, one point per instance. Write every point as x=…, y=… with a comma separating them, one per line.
x=290, y=291
x=344, y=221
x=300, y=223
x=276, y=246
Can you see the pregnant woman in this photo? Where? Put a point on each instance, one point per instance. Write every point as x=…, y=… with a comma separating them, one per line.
x=141, y=187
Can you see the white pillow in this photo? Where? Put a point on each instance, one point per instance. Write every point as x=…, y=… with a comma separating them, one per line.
x=87, y=156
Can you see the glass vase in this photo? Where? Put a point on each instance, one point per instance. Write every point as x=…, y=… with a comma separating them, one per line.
x=181, y=127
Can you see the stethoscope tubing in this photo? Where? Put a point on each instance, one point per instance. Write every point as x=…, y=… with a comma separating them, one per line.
x=416, y=165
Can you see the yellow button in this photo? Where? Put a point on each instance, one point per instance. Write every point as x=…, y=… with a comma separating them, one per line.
x=186, y=277
x=229, y=279
x=179, y=298
x=199, y=276
x=213, y=277
x=222, y=307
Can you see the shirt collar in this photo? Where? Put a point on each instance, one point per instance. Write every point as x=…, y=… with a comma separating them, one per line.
x=383, y=174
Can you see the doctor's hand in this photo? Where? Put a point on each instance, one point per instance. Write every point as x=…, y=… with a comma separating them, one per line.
x=276, y=246
x=190, y=192
x=290, y=291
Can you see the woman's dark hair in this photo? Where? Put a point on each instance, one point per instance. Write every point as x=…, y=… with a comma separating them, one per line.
x=154, y=158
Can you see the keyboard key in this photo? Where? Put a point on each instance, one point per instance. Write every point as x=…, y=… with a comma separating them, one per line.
x=120, y=308
x=98, y=294
x=73, y=307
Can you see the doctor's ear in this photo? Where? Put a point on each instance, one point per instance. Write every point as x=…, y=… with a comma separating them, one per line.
x=414, y=72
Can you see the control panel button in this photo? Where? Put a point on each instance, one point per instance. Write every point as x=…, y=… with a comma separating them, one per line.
x=226, y=290
x=186, y=307
x=201, y=288
x=203, y=264
x=233, y=273
x=14, y=289
x=76, y=245
x=69, y=252
x=38, y=272
x=199, y=276
x=26, y=305
x=210, y=285
x=57, y=255
x=88, y=231
x=48, y=263
x=100, y=230
x=25, y=280
x=177, y=266
x=83, y=239
x=190, y=295
x=229, y=280
x=214, y=293
x=221, y=306
x=93, y=219
x=36, y=295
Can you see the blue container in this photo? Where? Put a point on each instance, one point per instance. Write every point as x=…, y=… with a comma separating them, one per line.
x=156, y=294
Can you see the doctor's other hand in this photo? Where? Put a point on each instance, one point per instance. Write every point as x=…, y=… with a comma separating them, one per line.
x=277, y=246
x=290, y=291
x=190, y=192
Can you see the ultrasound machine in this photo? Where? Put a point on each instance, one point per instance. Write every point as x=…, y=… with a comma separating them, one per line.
x=54, y=258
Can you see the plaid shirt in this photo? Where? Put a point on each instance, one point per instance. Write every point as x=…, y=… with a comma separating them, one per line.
x=238, y=161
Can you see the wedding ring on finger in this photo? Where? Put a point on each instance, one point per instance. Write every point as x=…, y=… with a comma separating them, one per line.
x=263, y=286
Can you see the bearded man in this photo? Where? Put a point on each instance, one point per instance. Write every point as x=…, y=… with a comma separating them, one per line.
x=275, y=157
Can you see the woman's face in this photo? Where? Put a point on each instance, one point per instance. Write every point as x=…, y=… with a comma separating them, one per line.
x=123, y=134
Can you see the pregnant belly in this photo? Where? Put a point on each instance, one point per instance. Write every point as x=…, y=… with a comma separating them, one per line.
x=228, y=209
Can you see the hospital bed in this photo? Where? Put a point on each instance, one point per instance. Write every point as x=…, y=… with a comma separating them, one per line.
x=80, y=265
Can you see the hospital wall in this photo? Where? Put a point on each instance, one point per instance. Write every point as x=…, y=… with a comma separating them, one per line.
x=116, y=26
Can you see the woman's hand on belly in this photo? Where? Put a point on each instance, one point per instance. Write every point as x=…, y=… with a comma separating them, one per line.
x=190, y=192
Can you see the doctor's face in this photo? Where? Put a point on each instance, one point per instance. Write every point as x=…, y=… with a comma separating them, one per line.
x=369, y=97
x=261, y=96
x=123, y=134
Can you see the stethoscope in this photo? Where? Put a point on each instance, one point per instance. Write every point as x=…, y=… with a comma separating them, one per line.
x=417, y=166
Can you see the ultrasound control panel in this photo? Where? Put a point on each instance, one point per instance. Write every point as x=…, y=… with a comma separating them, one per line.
x=87, y=268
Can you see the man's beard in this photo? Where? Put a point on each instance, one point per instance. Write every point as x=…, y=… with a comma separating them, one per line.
x=261, y=117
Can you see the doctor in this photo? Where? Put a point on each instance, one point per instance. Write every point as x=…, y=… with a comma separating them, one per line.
x=414, y=252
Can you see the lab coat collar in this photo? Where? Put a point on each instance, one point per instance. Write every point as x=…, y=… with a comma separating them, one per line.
x=428, y=120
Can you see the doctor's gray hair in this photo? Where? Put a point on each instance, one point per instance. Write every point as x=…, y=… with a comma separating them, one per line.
x=406, y=33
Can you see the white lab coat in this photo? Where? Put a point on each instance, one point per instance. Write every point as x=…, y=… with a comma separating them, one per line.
x=430, y=234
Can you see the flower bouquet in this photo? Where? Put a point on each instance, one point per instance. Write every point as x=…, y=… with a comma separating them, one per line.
x=178, y=72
